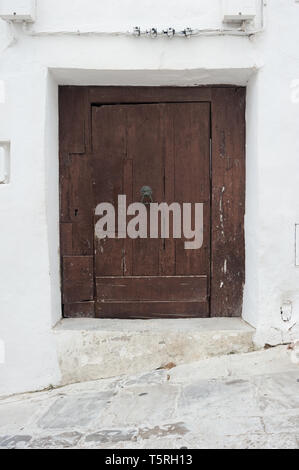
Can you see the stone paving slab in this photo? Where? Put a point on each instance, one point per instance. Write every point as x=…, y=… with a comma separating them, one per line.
x=226, y=402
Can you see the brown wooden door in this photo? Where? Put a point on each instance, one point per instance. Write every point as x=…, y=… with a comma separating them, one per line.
x=165, y=147
x=188, y=145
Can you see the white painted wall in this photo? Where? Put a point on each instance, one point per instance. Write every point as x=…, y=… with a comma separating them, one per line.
x=34, y=59
x=273, y=178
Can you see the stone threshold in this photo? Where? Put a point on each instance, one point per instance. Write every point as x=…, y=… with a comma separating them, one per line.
x=92, y=349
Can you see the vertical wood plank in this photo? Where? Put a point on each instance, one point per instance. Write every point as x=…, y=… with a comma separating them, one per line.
x=145, y=146
x=76, y=196
x=228, y=201
x=167, y=246
x=128, y=191
x=109, y=152
x=192, y=179
x=72, y=109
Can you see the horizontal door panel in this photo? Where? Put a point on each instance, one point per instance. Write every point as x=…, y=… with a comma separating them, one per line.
x=149, y=310
x=78, y=291
x=78, y=268
x=79, y=310
x=152, y=288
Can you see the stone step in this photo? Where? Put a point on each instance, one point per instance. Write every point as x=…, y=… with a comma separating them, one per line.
x=92, y=349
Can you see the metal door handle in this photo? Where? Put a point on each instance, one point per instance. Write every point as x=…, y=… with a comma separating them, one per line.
x=146, y=195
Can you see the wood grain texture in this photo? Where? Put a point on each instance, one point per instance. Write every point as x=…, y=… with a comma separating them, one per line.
x=77, y=291
x=113, y=95
x=146, y=140
x=72, y=107
x=166, y=147
x=152, y=289
x=192, y=178
x=79, y=310
x=109, y=154
x=228, y=201
x=149, y=310
x=76, y=202
x=223, y=262
x=78, y=268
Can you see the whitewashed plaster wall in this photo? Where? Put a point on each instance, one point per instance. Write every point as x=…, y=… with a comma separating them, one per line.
x=272, y=204
x=31, y=67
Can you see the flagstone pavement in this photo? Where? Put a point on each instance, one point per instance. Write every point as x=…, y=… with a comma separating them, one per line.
x=242, y=401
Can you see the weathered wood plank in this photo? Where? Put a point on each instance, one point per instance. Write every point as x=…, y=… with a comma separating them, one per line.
x=78, y=268
x=228, y=201
x=72, y=110
x=149, y=310
x=79, y=310
x=192, y=179
x=78, y=291
x=111, y=95
x=152, y=288
x=76, y=201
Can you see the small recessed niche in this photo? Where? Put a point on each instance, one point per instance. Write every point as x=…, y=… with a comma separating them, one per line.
x=4, y=162
x=2, y=92
x=297, y=245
